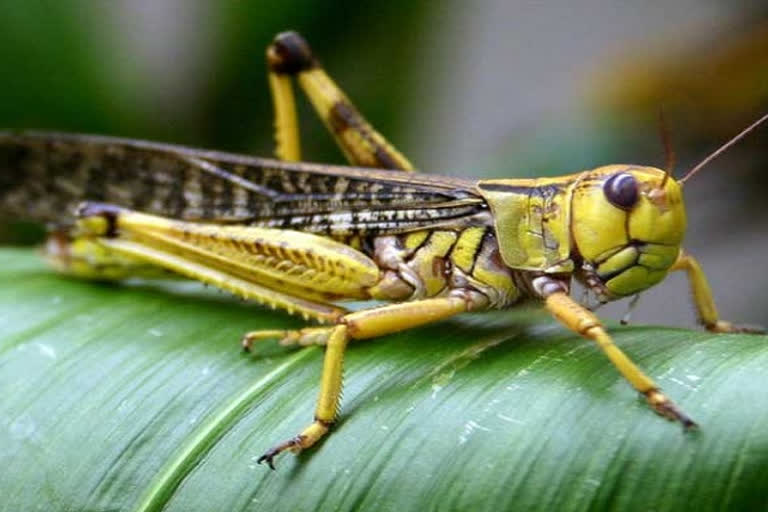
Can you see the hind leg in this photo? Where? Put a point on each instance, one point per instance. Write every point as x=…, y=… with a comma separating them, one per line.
x=289, y=56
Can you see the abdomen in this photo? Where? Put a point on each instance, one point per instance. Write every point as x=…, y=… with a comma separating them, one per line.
x=426, y=264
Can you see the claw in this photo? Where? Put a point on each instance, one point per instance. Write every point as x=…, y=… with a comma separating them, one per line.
x=267, y=457
x=727, y=327
x=250, y=337
x=293, y=444
x=667, y=408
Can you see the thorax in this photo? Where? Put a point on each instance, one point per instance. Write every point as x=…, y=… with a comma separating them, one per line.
x=433, y=263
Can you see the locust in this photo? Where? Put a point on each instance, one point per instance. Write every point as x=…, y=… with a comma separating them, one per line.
x=306, y=237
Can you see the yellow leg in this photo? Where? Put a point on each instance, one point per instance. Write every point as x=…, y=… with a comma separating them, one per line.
x=217, y=255
x=288, y=56
x=221, y=279
x=287, y=140
x=359, y=325
x=327, y=402
x=369, y=323
x=704, y=301
x=85, y=258
x=579, y=319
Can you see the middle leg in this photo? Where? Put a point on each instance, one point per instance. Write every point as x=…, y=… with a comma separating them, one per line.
x=364, y=324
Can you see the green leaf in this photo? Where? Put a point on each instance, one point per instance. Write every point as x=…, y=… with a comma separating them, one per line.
x=137, y=397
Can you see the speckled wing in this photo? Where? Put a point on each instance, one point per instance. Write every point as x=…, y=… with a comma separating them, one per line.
x=43, y=176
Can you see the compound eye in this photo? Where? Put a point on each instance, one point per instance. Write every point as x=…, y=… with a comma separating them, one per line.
x=621, y=190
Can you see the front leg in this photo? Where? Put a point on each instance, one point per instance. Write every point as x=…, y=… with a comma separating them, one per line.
x=704, y=301
x=577, y=318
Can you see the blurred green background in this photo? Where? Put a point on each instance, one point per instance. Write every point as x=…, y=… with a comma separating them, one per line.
x=472, y=88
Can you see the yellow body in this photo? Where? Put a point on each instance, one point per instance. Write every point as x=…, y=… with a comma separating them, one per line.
x=636, y=247
x=302, y=237
x=532, y=219
x=557, y=225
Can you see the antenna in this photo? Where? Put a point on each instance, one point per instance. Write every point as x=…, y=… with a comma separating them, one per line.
x=669, y=152
x=725, y=146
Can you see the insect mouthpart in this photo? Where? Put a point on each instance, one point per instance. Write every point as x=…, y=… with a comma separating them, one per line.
x=632, y=268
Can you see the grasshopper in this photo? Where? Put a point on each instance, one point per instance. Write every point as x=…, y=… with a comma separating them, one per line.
x=304, y=237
